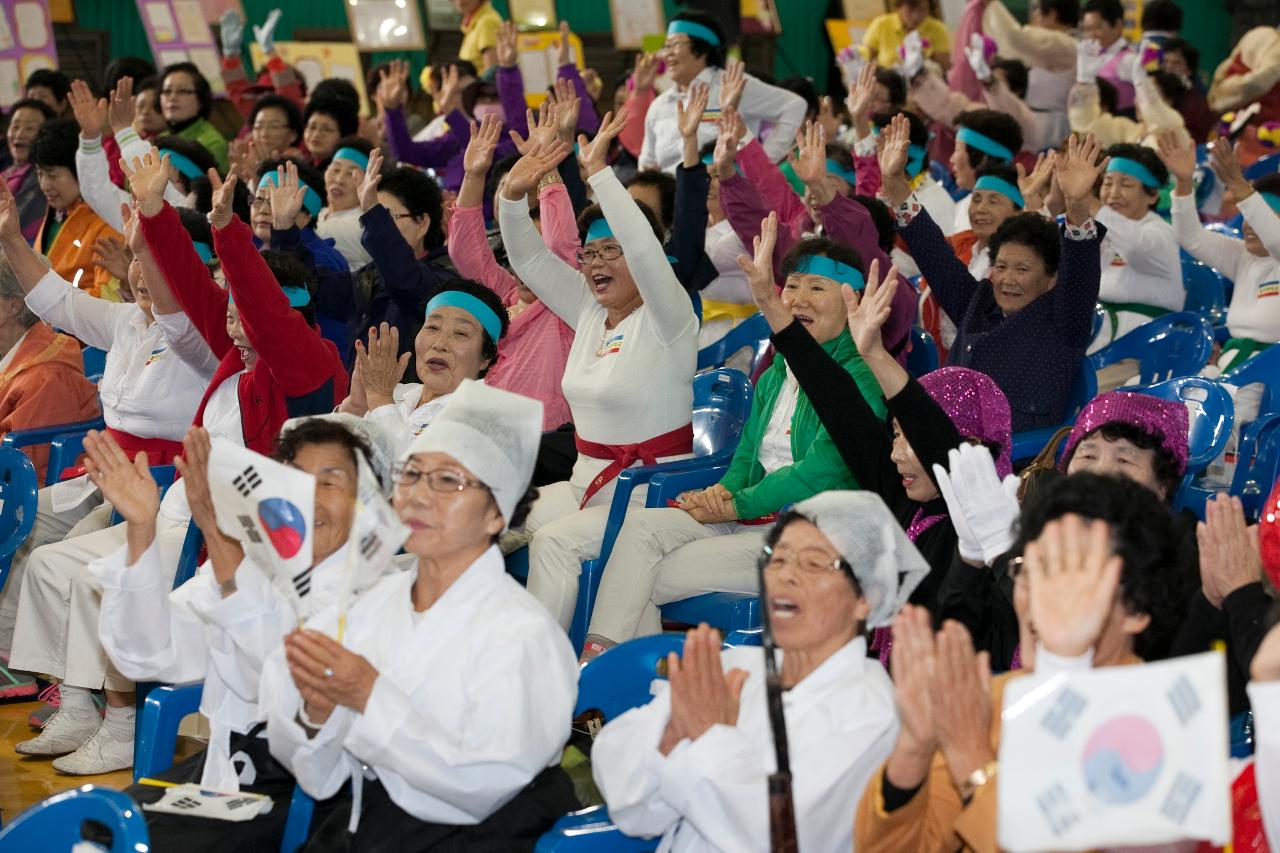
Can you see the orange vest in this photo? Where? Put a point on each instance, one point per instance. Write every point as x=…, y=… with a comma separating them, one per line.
x=71, y=254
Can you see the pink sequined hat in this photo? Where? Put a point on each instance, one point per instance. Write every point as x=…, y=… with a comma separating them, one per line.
x=1161, y=419
x=977, y=407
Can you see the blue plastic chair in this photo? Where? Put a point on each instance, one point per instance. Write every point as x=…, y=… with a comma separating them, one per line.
x=48, y=435
x=95, y=362
x=1257, y=463
x=922, y=358
x=1028, y=443
x=1174, y=345
x=1263, y=368
x=58, y=822
x=1262, y=167
x=164, y=476
x=721, y=406
x=1211, y=417
x=1206, y=290
x=18, y=494
x=752, y=332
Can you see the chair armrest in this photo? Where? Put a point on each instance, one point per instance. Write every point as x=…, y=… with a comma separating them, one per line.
x=590, y=831
x=749, y=637
x=157, y=731
x=670, y=485
x=44, y=435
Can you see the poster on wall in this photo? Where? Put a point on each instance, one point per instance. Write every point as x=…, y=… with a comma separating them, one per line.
x=178, y=31
x=318, y=60
x=26, y=45
x=538, y=54
x=635, y=19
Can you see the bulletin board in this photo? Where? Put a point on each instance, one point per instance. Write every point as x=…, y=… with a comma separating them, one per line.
x=538, y=62
x=26, y=45
x=635, y=19
x=178, y=31
x=317, y=60
x=385, y=25
x=533, y=14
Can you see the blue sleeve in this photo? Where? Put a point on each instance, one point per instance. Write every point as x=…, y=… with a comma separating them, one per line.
x=689, y=229
x=949, y=279
x=408, y=283
x=1076, y=294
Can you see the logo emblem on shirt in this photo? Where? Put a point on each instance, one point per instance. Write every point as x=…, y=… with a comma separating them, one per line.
x=611, y=346
x=1269, y=288
x=155, y=355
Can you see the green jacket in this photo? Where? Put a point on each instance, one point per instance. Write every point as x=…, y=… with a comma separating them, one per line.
x=207, y=135
x=817, y=466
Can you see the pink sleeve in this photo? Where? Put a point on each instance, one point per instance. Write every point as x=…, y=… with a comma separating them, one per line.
x=745, y=208
x=632, y=136
x=867, y=168
x=999, y=98
x=938, y=102
x=559, y=225
x=765, y=174
x=961, y=76
x=469, y=250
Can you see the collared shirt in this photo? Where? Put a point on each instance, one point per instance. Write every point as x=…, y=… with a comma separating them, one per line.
x=1140, y=261
x=344, y=228
x=712, y=793
x=774, y=451
x=404, y=418
x=664, y=146
x=479, y=33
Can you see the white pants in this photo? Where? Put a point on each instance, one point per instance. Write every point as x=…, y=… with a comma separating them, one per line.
x=1125, y=322
x=562, y=536
x=57, y=626
x=663, y=555
x=89, y=515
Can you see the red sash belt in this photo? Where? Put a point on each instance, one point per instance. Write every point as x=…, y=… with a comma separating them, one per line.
x=160, y=451
x=672, y=443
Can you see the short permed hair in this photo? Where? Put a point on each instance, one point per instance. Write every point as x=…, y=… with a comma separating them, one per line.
x=1033, y=231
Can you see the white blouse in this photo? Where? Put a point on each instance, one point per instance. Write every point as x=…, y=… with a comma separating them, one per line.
x=344, y=228
x=403, y=419
x=1140, y=261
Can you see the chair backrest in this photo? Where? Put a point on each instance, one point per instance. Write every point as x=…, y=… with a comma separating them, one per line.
x=721, y=406
x=620, y=679
x=57, y=823
x=1256, y=475
x=18, y=500
x=95, y=362
x=1264, y=166
x=189, y=559
x=1083, y=389
x=1263, y=368
x=1174, y=345
x=1210, y=412
x=752, y=332
x=923, y=357
x=1206, y=292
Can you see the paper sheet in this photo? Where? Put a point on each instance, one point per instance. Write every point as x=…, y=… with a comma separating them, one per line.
x=33, y=26
x=191, y=22
x=162, y=25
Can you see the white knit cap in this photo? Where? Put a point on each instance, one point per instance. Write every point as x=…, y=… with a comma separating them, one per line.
x=493, y=433
x=885, y=562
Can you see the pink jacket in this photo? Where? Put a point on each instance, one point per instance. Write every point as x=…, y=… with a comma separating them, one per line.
x=532, y=356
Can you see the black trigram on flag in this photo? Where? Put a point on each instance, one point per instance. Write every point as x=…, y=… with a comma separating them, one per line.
x=250, y=530
x=247, y=480
x=302, y=581
x=1183, y=698
x=1062, y=716
x=185, y=803
x=1056, y=807
x=369, y=544
x=1182, y=796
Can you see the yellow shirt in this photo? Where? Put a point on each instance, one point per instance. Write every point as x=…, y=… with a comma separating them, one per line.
x=885, y=36
x=479, y=34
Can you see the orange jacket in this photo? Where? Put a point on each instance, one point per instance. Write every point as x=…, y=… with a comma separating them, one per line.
x=72, y=251
x=44, y=385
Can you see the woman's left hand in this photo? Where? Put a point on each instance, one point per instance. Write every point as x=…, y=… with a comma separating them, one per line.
x=961, y=690
x=380, y=365
x=710, y=506
x=595, y=154
x=702, y=693
x=323, y=667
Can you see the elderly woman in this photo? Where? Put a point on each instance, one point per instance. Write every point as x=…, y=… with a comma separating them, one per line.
x=459, y=341
x=692, y=765
x=25, y=120
x=340, y=219
x=1141, y=266
x=706, y=542
x=186, y=100
x=451, y=685
x=629, y=377
x=1028, y=324
x=220, y=626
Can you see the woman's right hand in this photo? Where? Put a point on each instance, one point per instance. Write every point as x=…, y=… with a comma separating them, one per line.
x=127, y=485
x=193, y=466
x=120, y=111
x=478, y=157
x=393, y=85
x=148, y=176
x=893, y=156
x=759, y=271
x=380, y=365
x=1178, y=157
x=595, y=154
x=537, y=162
x=869, y=310
x=645, y=71
x=224, y=193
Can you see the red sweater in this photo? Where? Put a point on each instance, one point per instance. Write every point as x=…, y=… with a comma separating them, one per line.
x=297, y=373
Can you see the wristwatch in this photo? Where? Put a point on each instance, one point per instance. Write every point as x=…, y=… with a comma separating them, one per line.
x=977, y=779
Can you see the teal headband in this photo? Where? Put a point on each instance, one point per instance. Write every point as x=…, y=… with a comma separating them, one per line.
x=351, y=155
x=311, y=200
x=1272, y=200
x=983, y=143
x=693, y=30
x=834, y=168
x=182, y=163
x=299, y=297
x=1133, y=169
x=915, y=156
x=834, y=270
x=204, y=250
x=598, y=230
x=460, y=299
x=1000, y=185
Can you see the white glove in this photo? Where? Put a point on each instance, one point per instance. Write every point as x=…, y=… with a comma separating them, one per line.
x=1089, y=60
x=912, y=53
x=983, y=508
x=231, y=30
x=1129, y=68
x=265, y=35
x=976, y=54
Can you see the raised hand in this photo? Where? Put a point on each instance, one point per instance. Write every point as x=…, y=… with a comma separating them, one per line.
x=564, y=55
x=327, y=674
x=265, y=35
x=368, y=189
x=827, y=117
x=983, y=507
x=1073, y=574
x=288, y=195
x=90, y=112
x=450, y=95
x=535, y=165
x=975, y=53
x=1229, y=555
x=861, y=94
x=193, y=466
x=10, y=222
x=732, y=82
x=127, y=485
x=869, y=310
x=542, y=128
x=645, y=71
x=1223, y=161
x=1179, y=157
x=132, y=231
x=381, y=365
x=759, y=270
x=689, y=117
x=810, y=161
x=393, y=85
x=231, y=30
x=120, y=111
x=912, y=55
x=961, y=685
x=732, y=129
x=224, y=193
x=893, y=154
x=912, y=661
x=1089, y=61
x=1035, y=186
x=148, y=176
x=508, y=52
x=595, y=153
x=1079, y=168
x=702, y=694
x=478, y=157
x=109, y=254
x=568, y=107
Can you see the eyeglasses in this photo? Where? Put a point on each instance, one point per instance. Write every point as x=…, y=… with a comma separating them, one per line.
x=399, y=216
x=260, y=200
x=608, y=252
x=173, y=93
x=439, y=480
x=675, y=44
x=811, y=561
x=266, y=127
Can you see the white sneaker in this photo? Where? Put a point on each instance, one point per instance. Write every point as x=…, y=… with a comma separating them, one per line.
x=65, y=731
x=101, y=753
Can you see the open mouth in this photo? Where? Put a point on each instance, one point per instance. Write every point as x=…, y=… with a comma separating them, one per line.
x=435, y=365
x=246, y=353
x=783, y=608
x=601, y=282
x=803, y=318
x=1010, y=292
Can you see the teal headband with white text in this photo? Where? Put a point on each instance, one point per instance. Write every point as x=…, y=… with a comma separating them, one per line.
x=1133, y=169
x=832, y=269
x=1000, y=185
x=460, y=299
